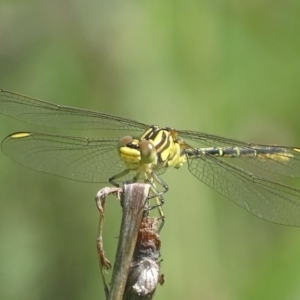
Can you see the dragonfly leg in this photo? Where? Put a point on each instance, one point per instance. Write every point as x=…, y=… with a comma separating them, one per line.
x=117, y=176
x=157, y=195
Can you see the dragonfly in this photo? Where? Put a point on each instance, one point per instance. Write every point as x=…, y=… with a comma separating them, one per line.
x=148, y=154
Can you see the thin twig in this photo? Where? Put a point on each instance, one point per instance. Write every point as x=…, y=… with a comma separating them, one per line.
x=104, y=263
x=135, y=197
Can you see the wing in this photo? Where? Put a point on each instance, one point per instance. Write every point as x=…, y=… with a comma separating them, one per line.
x=263, y=198
x=49, y=114
x=76, y=158
x=277, y=159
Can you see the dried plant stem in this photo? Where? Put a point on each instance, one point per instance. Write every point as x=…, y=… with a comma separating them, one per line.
x=135, y=197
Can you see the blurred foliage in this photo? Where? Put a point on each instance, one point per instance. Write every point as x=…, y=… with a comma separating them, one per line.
x=230, y=68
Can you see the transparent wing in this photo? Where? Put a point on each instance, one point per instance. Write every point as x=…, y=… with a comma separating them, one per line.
x=263, y=198
x=49, y=114
x=277, y=159
x=209, y=139
x=76, y=158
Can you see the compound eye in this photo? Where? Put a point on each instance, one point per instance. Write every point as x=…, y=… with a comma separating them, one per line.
x=125, y=140
x=148, y=151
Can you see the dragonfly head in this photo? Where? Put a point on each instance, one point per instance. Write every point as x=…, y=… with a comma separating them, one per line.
x=137, y=151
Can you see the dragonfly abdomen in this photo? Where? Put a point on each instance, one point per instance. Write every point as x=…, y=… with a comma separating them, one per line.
x=259, y=152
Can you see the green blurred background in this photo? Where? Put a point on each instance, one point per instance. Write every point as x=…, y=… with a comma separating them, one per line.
x=231, y=68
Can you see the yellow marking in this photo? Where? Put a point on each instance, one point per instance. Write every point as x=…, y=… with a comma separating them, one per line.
x=238, y=152
x=20, y=135
x=165, y=154
x=146, y=133
x=130, y=155
x=158, y=139
x=176, y=160
x=255, y=153
x=275, y=156
x=297, y=149
x=135, y=142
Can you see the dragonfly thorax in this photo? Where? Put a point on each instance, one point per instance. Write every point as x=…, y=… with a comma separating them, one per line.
x=167, y=145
